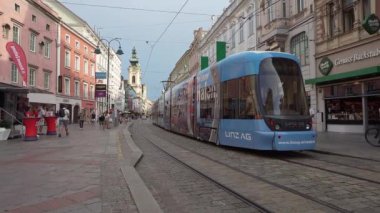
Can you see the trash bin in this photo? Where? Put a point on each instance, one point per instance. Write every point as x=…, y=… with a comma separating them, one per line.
x=51, y=125
x=30, y=128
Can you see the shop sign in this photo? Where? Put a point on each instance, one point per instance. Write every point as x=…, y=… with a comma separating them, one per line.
x=65, y=100
x=100, y=93
x=100, y=75
x=357, y=57
x=325, y=66
x=100, y=87
x=371, y=24
x=100, y=81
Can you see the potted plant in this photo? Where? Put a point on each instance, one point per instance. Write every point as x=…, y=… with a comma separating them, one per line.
x=5, y=129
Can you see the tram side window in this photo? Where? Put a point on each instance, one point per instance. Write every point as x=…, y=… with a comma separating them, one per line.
x=230, y=99
x=239, y=100
x=207, y=103
x=247, y=98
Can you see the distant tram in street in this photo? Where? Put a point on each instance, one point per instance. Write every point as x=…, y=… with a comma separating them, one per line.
x=254, y=100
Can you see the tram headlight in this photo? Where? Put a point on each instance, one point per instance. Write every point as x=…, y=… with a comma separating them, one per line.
x=308, y=126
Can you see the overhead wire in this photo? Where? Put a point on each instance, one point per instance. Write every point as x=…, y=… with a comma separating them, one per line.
x=136, y=9
x=159, y=38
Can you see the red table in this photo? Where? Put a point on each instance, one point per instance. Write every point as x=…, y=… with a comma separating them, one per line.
x=30, y=128
x=51, y=125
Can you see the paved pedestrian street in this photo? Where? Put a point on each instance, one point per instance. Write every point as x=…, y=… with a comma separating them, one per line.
x=76, y=173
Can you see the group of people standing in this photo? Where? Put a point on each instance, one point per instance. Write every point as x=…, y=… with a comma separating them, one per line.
x=105, y=119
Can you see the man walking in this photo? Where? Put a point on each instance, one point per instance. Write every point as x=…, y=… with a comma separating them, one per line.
x=63, y=120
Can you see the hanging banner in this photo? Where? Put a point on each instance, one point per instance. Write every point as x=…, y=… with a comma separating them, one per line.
x=18, y=56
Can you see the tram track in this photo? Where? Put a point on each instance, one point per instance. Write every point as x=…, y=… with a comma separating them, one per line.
x=334, y=207
x=237, y=170
x=249, y=202
x=332, y=171
x=343, y=155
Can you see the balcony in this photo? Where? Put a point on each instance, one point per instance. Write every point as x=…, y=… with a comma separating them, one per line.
x=274, y=31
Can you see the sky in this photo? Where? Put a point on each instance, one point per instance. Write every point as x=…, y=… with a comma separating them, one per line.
x=145, y=25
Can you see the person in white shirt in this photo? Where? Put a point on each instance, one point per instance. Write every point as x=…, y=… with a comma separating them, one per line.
x=63, y=114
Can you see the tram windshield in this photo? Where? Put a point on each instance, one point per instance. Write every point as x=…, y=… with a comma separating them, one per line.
x=281, y=88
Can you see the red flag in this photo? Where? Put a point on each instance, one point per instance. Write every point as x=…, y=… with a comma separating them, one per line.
x=18, y=56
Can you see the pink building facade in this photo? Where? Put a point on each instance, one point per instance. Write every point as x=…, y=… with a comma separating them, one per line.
x=34, y=26
x=76, y=80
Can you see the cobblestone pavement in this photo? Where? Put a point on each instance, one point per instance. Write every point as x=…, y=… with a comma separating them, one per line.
x=75, y=173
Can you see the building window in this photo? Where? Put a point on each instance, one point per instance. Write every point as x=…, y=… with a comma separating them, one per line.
x=300, y=5
x=92, y=69
x=331, y=18
x=133, y=79
x=47, y=80
x=233, y=37
x=366, y=8
x=32, y=76
x=67, y=58
x=77, y=63
x=241, y=32
x=14, y=73
x=76, y=88
x=17, y=8
x=16, y=34
x=67, y=86
x=299, y=46
x=85, y=64
x=34, y=18
x=284, y=9
x=32, y=42
x=270, y=11
x=47, y=27
x=85, y=50
x=85, y=90
x=47, y=48
x=67, y=38
x=6, y=29
x=77, y=46
x=251, y=24
x=348, y=15
x=92, y=91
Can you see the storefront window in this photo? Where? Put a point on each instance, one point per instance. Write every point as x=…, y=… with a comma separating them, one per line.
x=343, y=90
x=373, y=110
x=373, y=87
x=344, y=111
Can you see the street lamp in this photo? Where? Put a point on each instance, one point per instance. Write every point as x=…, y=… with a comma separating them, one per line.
x=118, y=52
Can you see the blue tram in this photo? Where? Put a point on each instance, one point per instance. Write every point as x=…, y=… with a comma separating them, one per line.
x=253, y=100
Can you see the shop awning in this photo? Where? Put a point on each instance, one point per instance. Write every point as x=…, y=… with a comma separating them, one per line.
x=370, y=71
x=12, y=88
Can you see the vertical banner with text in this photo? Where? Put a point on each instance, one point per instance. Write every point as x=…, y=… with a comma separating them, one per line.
x=18, y=56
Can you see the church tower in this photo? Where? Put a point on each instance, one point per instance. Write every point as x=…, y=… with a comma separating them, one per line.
x=134, y=73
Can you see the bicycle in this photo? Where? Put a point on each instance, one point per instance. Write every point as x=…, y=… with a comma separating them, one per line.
x=372, y=136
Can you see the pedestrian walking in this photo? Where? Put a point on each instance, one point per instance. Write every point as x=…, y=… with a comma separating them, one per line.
x=93, y=118
x=102, y=121
x=81, y=118
x=63, y=120
x=41, y=122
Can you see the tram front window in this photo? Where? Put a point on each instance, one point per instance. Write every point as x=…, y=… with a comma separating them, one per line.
x=281, y=88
